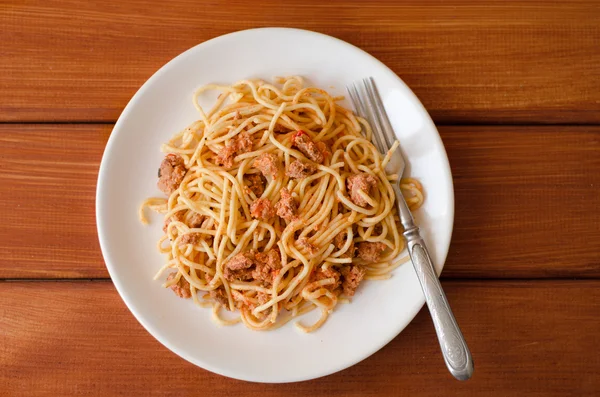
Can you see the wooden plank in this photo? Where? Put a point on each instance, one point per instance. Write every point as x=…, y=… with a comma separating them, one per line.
x=48, y=176
x=505, y=62
x=526, y=201
x=534, y=338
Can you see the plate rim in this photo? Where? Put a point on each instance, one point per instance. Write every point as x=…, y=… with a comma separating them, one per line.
x=111, y=268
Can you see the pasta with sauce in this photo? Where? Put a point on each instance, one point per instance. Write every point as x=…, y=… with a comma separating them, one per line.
x=278, y=204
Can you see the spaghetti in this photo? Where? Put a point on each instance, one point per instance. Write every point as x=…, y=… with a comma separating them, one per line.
x=277, y=205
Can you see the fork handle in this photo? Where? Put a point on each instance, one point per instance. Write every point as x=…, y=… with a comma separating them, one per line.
x=454, y=347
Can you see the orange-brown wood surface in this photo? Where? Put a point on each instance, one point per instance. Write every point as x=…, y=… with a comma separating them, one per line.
x=505, y=61
x=536, y=339
x=522, y=193
x=527, y=194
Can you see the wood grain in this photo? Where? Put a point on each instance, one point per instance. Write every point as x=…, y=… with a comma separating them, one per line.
x=48, y=176
x=527, y=198
x=527, y=338
x=526, y=201
x=505, y=62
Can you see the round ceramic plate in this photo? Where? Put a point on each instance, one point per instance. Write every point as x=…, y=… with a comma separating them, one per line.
x=380, y=309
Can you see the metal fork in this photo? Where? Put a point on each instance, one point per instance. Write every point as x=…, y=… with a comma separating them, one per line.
x=456, y=354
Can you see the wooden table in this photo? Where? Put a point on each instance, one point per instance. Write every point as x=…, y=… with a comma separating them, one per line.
x=514, y=87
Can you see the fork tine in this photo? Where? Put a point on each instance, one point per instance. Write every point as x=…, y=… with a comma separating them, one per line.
x=371, y=110
x=352, y=91
x=355, y=97
x=386, y=130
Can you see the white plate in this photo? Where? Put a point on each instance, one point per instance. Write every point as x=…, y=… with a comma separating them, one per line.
x=163, y=106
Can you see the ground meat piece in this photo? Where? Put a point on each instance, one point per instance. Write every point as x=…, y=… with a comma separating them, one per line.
x=262, y=209
x=370, y=252
x=196, y=220
x=300, y=169
x=263, y=273
x=177, y=217
x=270, y=258
x=280, y=129
x=263, y=298
x=308, y=147
x=243, y=142
x=171, y=173
x=238, y=267
x=360, y=183
x=240, y=144
x=322, y=146
x=225, y=156
x=256, y=184
x=304, y=243
x=267, y=164
x=352, y=276
x=181, y=288
x=340, y=240
x=286, y=207
x=330, y=272
x=267, y=264
x=190, y=238
x=220, y=296
x=243, y=260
